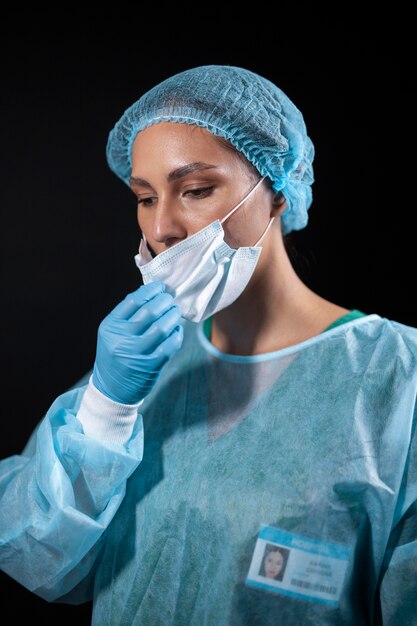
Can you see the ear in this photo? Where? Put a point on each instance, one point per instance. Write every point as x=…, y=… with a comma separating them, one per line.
x=279, y=204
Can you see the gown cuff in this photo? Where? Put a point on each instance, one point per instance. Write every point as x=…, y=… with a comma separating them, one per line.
x=105, y=419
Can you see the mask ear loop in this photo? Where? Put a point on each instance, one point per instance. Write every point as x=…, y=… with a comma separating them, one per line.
x=240, y=204
x=243, y=200
x=265, y=232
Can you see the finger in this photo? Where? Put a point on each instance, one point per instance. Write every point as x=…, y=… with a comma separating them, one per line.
x=170, y=345
x=133, y=301
x=166, y=349
x=159, y=331
x=152, y=310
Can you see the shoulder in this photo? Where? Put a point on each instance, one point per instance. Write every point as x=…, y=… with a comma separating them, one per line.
x=375, y=327
x=408, y=332
x=399, y=333
x=386, y=345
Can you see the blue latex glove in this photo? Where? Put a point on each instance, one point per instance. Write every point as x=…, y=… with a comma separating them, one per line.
x=135, y=341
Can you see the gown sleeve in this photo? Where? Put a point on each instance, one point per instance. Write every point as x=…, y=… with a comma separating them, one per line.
x=58, y=497
x=398, y=586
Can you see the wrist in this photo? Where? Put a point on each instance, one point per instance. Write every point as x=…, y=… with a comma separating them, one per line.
x=100, y=385
x=104, y=419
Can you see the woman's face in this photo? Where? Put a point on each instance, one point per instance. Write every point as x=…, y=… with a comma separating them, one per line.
x=273, y=564
x=184, y=179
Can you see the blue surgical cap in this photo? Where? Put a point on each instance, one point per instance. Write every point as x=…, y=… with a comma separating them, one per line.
x=248, y=110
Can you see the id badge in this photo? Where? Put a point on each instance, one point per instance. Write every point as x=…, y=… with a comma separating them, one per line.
x=298, y=566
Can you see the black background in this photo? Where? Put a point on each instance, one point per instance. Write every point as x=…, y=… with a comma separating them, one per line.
x=68, y=225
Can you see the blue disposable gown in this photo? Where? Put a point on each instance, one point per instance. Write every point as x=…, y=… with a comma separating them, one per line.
x=310, y=449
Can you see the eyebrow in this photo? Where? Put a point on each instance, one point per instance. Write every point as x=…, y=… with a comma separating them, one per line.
x=179, y=172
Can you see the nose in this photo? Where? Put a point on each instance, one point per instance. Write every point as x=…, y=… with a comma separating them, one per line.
x=168, y=227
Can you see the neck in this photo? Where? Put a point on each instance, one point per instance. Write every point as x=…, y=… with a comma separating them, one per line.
x=275, y=311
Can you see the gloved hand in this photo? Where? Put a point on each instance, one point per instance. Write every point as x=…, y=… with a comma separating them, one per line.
x=135, y=341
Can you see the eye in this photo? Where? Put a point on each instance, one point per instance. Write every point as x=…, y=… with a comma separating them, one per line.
x=203, y=192
x=146, y=201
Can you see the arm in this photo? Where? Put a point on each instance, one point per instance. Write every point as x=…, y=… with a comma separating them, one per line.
x=398, y=582
x=59, y=496
x=398, y=593
x=57, y=500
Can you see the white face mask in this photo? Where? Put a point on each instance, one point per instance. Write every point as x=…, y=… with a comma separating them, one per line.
x=203, y=273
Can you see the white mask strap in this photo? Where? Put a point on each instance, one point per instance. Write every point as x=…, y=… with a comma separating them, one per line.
x=265, y=231
x=242, y=201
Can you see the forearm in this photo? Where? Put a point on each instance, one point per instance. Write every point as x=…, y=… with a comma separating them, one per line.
x=56, y=504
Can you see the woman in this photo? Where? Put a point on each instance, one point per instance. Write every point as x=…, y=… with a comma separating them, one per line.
x=273, y=562
x=229, y=405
